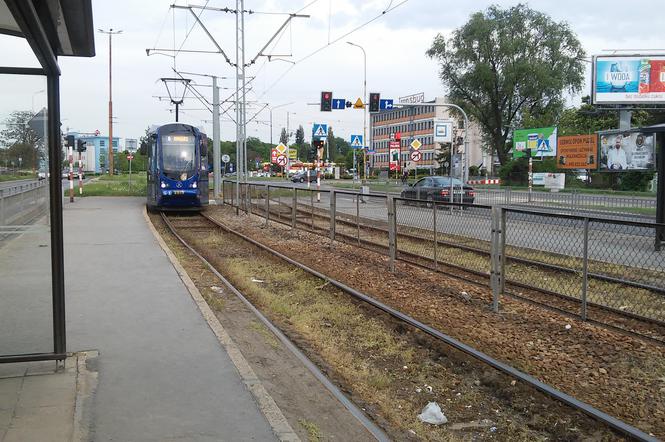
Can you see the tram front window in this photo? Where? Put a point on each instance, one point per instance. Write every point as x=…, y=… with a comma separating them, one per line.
x=178, y=156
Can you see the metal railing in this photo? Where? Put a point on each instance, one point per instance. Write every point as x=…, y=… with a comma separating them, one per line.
x=569, y=262
x=21, y=203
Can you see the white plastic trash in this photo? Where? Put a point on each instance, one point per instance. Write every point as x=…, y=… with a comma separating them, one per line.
x=432, y=414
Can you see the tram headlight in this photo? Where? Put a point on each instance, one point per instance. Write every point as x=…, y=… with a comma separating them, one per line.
x=163, y=185
x=194, y=185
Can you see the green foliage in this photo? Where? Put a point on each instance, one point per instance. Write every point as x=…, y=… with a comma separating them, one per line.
x=21, y=145
x=509, y=66
x=300, y=137
x=635, y=181
x=283, y=137
x=516, y=172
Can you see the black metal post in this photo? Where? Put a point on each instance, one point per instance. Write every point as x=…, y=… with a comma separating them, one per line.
x=55, y=195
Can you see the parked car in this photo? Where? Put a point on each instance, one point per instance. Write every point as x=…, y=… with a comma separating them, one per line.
x=42, y=175
x=437, y=188
x=301, y=177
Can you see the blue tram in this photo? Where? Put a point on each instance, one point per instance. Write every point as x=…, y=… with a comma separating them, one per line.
x=177, y=168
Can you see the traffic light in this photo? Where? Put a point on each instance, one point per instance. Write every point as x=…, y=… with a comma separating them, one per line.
x=313, y=152
x=326, y=101
x=374, y=98
x=70, y=141
x=80, y=146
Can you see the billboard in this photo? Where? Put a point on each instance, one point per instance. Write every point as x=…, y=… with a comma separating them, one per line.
x=577, y=152
x=541, y=141
x=634, y=79
x=394, y=152
x=620, y=151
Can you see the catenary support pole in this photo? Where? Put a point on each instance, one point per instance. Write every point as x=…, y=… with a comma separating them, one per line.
x=215, y=139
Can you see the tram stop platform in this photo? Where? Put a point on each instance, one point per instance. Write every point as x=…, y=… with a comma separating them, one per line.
x=150, y=366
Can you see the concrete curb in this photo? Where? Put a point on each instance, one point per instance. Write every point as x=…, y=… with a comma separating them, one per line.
x=86, y=386
x=280, y=426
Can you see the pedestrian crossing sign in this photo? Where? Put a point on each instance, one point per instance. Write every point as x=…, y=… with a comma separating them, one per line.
x=320, y=130
x=357, y=141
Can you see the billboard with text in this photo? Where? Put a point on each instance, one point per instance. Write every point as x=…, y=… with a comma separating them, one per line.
x=621, y=151
x=635, y=79
x=541, y=140
x=577, y=152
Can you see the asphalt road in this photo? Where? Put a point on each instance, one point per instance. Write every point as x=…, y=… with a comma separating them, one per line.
x=613, y=243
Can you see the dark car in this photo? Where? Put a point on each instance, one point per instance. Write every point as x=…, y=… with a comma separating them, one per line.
x=437, y=188
x=301, y=177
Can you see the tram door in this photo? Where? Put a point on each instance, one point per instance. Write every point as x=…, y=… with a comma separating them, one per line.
x=203, y=170
x=152, y=169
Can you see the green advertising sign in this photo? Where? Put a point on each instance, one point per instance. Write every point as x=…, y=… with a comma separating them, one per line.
x=541, y=141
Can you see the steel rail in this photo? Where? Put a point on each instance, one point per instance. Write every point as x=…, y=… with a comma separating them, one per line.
x=552, y=267
x=373, y=246
x=548, y=390
x=370, y=426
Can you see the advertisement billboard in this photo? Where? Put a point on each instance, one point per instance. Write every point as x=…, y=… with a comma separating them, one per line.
x=541, y=141
x=634, y=79
x=577, y=152
x=394, y=152
x=621, y=151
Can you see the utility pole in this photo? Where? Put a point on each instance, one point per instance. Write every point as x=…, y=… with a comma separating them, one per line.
x=110, y=33
x=215, y=139
x=364, y=113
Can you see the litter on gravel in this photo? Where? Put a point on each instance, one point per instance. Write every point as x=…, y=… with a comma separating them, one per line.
x=432, y=414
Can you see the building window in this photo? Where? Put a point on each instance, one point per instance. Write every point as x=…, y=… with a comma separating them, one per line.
x=102, y=143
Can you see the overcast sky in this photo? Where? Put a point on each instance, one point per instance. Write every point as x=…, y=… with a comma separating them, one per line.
x=395, y=44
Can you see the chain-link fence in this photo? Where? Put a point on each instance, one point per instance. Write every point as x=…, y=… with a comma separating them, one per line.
x=568, y=262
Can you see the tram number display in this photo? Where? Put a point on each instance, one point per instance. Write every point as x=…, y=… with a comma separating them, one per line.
x=179, y=138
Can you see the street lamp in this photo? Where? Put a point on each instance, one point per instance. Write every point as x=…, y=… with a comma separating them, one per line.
x=32, y=107
x=110, y=33
x=364, y=111
x=271, y=109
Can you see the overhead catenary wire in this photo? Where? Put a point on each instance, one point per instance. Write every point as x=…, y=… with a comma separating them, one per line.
x=311, y=54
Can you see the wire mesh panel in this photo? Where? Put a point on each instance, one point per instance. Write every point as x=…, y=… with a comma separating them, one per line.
x=546, y=252
x=415, y=230
x=463, y=235
x=625, y=271
x=313, y=210
x=372, y=228
x=258, y=194
x=281, y=204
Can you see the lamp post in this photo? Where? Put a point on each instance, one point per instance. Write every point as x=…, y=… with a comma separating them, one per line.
x=32, y=107
x=271, y=109
x=364, y=111
x=110, y=33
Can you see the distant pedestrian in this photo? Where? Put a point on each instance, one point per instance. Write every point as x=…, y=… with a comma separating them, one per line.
x=405, y=177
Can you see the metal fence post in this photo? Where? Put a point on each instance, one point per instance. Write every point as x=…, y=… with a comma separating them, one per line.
x=293, y=208
x=358, y=217
x=333, y=214
x=436, y=239
x=267, y=204
x=392, y=232
x=495, y=258
x=311, y=205
x=502, y=248
x=585, y=269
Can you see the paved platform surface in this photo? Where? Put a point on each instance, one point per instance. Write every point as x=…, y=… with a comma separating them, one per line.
x=37, y=402
x=162, y=373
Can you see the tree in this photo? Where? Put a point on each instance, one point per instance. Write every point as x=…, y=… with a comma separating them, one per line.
x=332, y=142
x=24, y=147
x=144, y=142
x=283, y=137
x=300, y=136
x=505, y=65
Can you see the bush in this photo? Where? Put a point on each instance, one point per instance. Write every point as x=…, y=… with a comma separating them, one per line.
x=635, y=181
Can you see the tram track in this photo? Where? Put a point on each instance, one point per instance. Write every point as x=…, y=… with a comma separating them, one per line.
x=649, y=329
x=575, y=404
